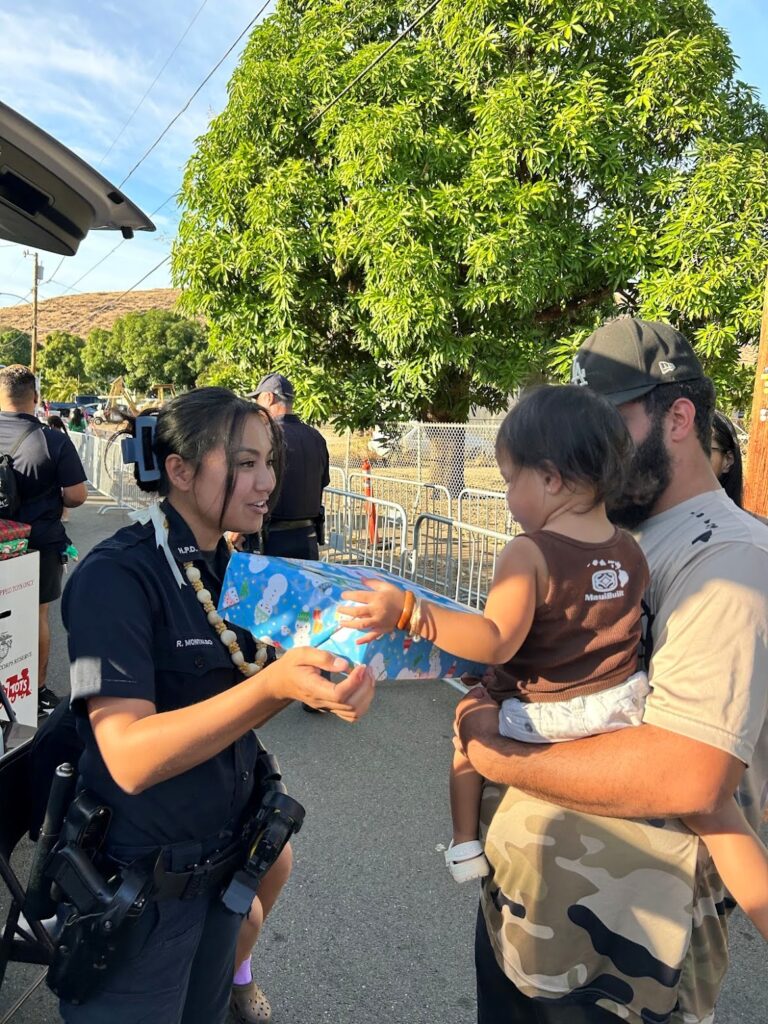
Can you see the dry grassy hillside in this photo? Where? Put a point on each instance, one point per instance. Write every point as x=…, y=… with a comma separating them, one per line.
x=81, y=313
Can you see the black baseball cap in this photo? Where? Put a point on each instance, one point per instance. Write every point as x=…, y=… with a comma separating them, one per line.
x=274, y=384
x=626, y=358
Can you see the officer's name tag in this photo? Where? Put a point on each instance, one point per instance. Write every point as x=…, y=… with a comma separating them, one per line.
x=195, y=642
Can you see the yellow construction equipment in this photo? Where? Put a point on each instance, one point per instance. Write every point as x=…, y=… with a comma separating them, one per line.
x=119, y=402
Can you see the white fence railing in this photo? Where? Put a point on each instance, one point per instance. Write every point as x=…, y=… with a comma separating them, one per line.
x=414, y=496
x=103, y=463
x=409, y=537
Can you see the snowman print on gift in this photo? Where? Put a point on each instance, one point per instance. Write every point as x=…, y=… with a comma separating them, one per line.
x=302, y=631
x=274, y=590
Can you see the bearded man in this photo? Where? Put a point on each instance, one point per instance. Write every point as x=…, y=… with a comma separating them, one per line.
x=600, y=904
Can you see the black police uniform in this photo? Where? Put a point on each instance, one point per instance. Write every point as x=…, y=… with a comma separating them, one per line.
x=292, y=528
x=135, y=633
x=46, y=461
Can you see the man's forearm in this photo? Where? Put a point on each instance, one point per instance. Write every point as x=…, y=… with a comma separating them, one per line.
x=636, y=772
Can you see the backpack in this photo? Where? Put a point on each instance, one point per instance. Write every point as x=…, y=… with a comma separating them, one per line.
x=10, y=499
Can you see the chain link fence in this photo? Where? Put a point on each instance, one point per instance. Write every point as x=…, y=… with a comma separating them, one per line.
x=433, y=468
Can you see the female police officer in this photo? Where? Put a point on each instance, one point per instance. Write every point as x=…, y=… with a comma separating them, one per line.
x=166, y=709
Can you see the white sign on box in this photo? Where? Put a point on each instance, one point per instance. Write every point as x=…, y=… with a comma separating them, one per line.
x=19, y=626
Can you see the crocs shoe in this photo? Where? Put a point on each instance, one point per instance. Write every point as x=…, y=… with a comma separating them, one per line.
x=466, y=861
x=249, y=1005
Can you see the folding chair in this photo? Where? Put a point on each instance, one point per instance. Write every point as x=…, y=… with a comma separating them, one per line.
x=22, y=941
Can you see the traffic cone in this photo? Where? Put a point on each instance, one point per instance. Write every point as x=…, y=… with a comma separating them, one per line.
x=368, y=492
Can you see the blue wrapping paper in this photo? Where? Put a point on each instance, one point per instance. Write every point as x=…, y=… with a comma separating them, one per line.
x=288, y=602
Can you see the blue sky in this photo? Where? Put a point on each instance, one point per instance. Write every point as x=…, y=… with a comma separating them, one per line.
x=78, y=69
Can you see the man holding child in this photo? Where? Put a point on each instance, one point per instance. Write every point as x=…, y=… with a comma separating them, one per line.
x=600, y=903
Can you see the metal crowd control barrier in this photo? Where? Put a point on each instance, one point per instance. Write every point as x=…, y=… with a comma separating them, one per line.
x=364, y=531
x=455, y=558
x=447, y=555
x=487, y=509
x=411, y=494
x=106, y=473
x=338, y=478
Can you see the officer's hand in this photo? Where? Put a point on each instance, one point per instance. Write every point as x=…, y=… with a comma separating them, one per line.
x=296, y=676
x=357, y=690
x=377, y=610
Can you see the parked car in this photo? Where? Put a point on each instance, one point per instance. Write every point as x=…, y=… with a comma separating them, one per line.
x=62, y=409
x=90, y=409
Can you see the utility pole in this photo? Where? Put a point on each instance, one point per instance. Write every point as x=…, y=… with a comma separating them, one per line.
x=37, y=276
x=756, y=480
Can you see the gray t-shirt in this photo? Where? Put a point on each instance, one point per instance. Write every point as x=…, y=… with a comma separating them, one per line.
x=629, y=915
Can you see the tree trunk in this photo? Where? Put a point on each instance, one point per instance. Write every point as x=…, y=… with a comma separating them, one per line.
x=446, y=432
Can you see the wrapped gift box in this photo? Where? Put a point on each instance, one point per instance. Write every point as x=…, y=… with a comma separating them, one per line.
x=288, y=602
x=13, y=538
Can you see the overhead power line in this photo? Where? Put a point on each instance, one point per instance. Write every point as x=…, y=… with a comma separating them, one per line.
x=113, y=302
x=154, y=82
x=167, y=127
x=316, y=117
x=204, y=82
x=366, y=70
x=133, y=113
x=72, y=287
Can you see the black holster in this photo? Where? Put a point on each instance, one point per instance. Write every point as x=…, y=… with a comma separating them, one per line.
x=274, y=818
x=99, y=904
x=320, y=526
x=89, y=945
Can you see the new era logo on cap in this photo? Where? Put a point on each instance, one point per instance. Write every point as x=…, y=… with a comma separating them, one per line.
x=626, y=358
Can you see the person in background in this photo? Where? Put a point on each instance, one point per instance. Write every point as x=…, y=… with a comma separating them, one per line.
x=56, y=423
x=77, y=423
x=50, y=478
x=726, y=457
x=292, y=529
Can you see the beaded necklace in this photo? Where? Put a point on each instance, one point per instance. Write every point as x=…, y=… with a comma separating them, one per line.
x=227, y=636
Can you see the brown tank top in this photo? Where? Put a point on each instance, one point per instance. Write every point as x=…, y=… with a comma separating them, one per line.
x=585, y=636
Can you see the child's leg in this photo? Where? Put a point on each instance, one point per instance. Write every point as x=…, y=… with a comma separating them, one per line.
x=466, y=790
x=464, y=857
x=740, y=857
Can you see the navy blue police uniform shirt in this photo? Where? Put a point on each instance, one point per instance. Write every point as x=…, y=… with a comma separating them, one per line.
x=133, y=632
x=45, y=462
x=306, y=471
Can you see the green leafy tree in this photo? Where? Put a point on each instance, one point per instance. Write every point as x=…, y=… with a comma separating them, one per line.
x=160, y=347
x=15, y=347
x=60, y=360
x=102, y=358
x=482, y=194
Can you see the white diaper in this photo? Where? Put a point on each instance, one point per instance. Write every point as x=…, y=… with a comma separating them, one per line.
x=556, y=721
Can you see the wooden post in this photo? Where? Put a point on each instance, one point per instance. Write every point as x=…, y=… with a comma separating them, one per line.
x=756, y=477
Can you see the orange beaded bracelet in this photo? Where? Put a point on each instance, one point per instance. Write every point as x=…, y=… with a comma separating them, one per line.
x=405, y=618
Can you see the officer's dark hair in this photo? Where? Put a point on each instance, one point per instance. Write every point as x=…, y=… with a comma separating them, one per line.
x=198, y=421
x=17, y=383
x=725, y=438
x=572, y=430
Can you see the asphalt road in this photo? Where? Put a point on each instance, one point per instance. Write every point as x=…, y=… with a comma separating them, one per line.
x=370, y=928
